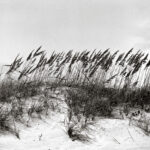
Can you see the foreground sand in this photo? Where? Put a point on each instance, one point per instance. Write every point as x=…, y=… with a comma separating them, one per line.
x=50, y=134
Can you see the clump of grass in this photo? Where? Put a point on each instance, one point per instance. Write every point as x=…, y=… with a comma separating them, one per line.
x=81, y=101
x=77, y=129
x=143, y=122
x=4, y=120
x=7, y=123
x=77, y=135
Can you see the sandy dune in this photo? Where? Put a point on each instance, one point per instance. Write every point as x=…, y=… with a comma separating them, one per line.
x=49, y=133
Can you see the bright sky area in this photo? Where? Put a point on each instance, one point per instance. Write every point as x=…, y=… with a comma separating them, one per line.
x=62, y=25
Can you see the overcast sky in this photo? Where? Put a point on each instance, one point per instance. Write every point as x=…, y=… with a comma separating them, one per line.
x=72, y=24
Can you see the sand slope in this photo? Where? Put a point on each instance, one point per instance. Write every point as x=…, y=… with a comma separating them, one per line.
x=49, y=133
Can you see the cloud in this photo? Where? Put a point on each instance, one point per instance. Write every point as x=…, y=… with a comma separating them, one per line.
x=143, y=35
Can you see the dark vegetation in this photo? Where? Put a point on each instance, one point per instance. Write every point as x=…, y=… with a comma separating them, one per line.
x=95, y=83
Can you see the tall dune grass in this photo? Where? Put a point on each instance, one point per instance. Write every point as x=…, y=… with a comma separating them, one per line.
x=123, y=76
x=96, y=67
x=90, y=77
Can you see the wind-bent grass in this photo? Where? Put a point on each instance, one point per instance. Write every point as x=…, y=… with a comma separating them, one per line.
x=96, y=81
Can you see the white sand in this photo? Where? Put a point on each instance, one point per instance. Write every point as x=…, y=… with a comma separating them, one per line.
x=49, y=133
